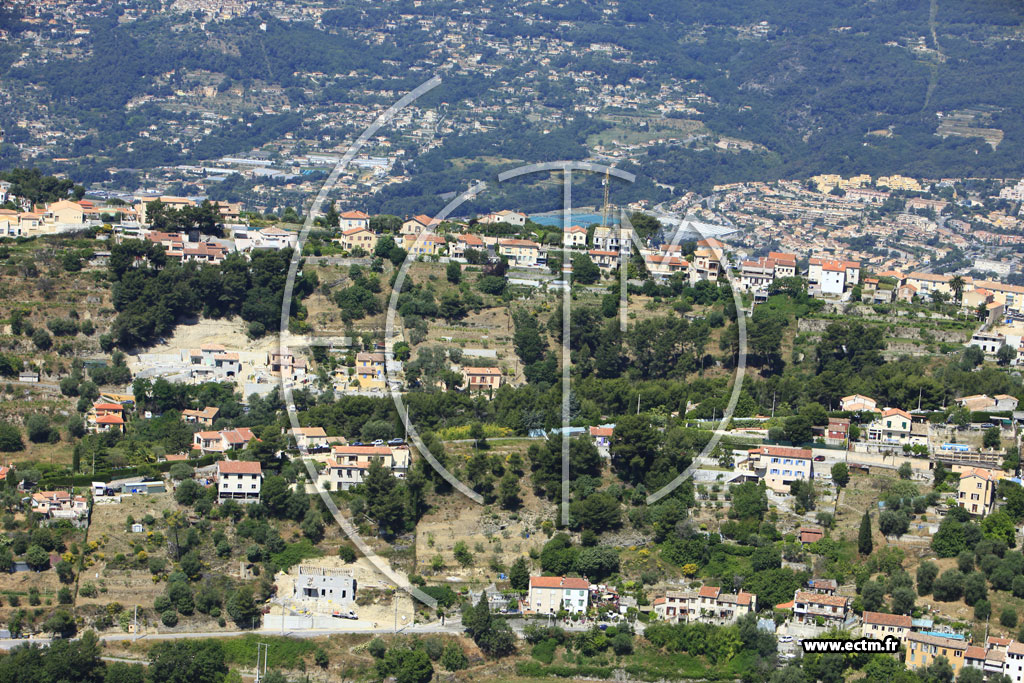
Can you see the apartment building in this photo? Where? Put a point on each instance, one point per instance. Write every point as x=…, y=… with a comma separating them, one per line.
x=239, y=481
x=348, y=465
x=708, y=605
x=923, y=648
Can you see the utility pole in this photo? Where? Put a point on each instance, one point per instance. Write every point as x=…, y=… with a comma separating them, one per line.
x=261, y=653
x=395, y=599
x=773, y=404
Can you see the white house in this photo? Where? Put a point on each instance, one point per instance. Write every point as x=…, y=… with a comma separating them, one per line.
x=239, y=481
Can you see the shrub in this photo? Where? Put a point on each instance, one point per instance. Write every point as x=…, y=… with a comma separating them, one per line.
x=169, y=618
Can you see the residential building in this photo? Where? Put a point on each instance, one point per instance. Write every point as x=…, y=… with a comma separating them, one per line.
x=602, y=436
x=976, y=491
x=59, y=505
x=481, y=379
x=811, y=608
x=550, y=594
x=574, y=237
x=106, y=417
x=349, y=220
x=783, y=465
x=370, y=370
x=348, y=465
x=239, y=481
x=418, y=224
x=837, y=431
x=707, y=260
x=612, y=238
x=708, y=605
x=664, y=265
x=520, y=252
x=310, y=438
x=607, y=261
x=878, y=625
x=511, y=217
x=286, y=364
x=358, y=238
x=1013, y=666
x=327, y=584
x=424, y=244
x=457, y=249
x=222, y=441
x=205, y=417
x=923, y=648
x=892, y=427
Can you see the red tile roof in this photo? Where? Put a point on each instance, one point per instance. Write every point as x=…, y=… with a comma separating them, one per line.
x=558, y=582
x=239, y=467
x=709, y=592
x=883, y=619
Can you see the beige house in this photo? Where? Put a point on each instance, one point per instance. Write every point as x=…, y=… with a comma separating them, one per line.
x=893, y=427
x=358, y=237
x=782, y=466
x=550, y=594
x=425, y=244
x=309, y=437
x=520, y=252
x=481, y=379
x=878, y=625
x=857, y=403
x=205, y=417
x=418, y=224
x=65, y=213
x=976, y=491
x=348, y=465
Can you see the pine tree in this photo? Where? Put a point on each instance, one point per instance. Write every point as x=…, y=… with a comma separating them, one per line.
x=519, y=575
x=864, y=543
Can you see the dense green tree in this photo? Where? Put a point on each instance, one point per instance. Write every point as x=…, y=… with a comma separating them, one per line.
x=865, y=544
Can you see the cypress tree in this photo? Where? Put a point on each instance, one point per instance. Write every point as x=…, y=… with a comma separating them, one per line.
x=864, y=543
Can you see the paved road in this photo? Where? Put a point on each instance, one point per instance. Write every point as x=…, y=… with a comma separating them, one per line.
x=451, y=626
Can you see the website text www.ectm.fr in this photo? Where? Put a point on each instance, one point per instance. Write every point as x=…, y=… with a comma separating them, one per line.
x=889, y=644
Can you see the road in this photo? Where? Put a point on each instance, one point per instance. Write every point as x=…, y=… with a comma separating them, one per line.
x=452, y=626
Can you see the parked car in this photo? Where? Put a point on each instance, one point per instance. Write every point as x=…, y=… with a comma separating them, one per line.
x=819, y=458
x=396, y=442
x=378, y=442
